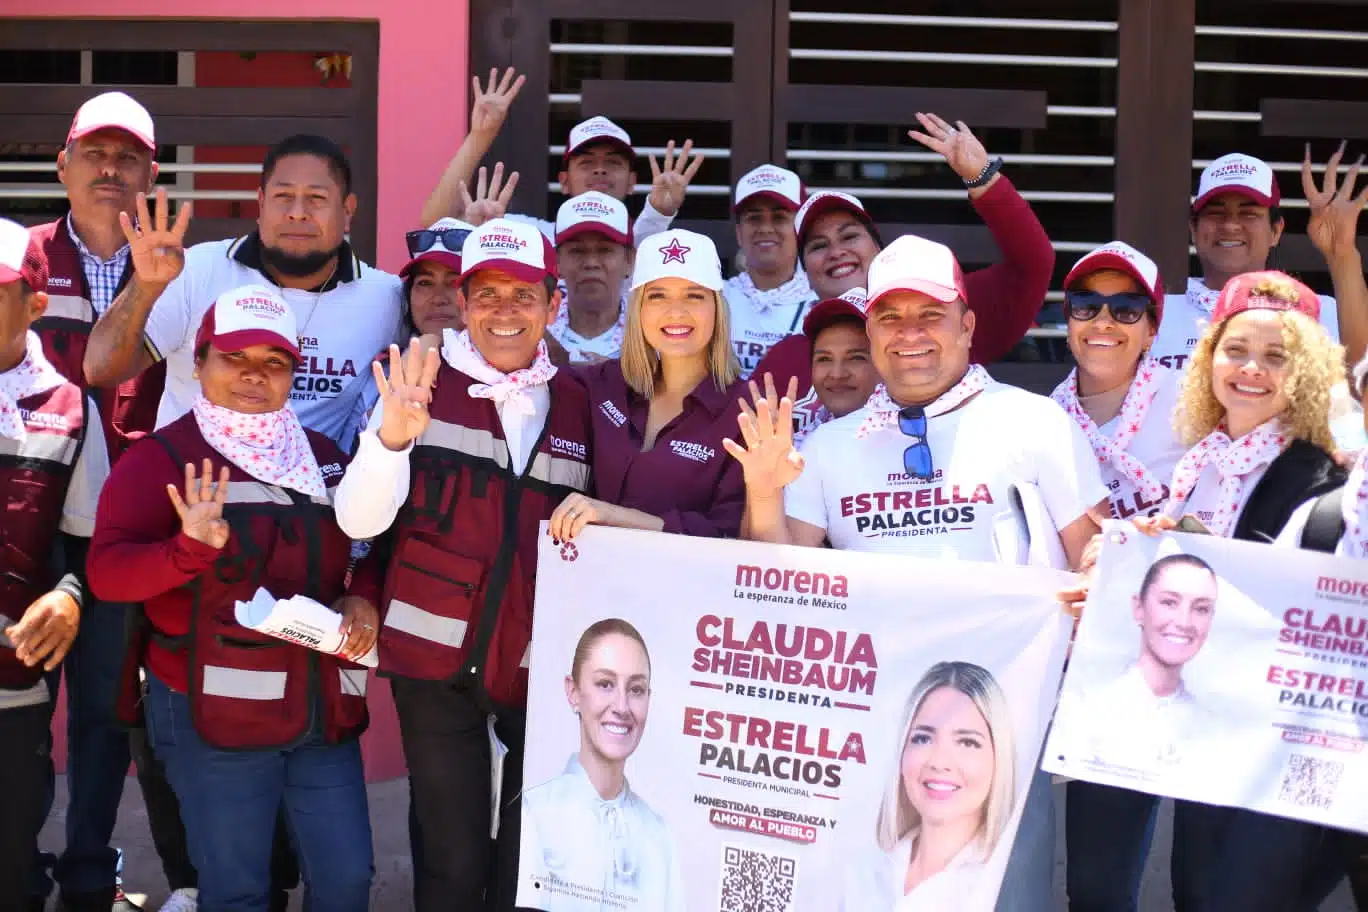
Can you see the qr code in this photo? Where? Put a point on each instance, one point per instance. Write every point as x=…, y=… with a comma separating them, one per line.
x=756, y=881
x=1310, y=782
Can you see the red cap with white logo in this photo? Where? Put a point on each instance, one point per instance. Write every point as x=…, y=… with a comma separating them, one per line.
x=593, y=212
x=828, y=201
x=246, y=316
x=597, y=130
x=113, y=111
x=771, y=182
x=1122, y=257
x=21, y=257
x=913, y=263
x=850, y=303
x=519, y=250
x=1244, y=292
x=678, y=254
x=1238, y=173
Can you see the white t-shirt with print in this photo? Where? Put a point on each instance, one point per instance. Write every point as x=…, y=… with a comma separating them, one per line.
x=1155, y=445
x=754, y=333
x=859, y=493
x=340, y=330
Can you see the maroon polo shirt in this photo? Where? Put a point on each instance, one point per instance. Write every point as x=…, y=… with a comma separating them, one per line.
x=687, y=478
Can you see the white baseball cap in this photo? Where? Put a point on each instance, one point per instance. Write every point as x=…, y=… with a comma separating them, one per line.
x=113, y=111
x=913, y=263
x=520, y=250
x=21, y=257
x=249, y=315
x=826, y=201
x=678, y=254
x=1122, y=257
x=598, y=130
x=772, y=182
x=1238, y=173
x=430, y=244
x=594, y=212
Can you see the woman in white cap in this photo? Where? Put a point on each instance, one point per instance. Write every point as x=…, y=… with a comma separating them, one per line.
x=661, y=411
x=233, y=496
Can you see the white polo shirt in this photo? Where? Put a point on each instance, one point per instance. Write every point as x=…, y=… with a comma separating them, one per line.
x=753, y=331
x=859, y=493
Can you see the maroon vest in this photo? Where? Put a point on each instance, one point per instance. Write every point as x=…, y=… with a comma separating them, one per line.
x=34, y=477
x=458, y=594
x=247, y=690
x=65, y=330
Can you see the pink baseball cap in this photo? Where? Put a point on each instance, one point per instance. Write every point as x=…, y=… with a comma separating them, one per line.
x=771, y=182
x=114, y=111
x=21, y=257
x=1242, y=293
x=913, y=263
x=850, y=303
x=1124, y=258
x=827, y=201
x=249, y=315
x=519, y=250
x=678, y=254
x=598, y=130
x=1238, y=173
x=593, y=212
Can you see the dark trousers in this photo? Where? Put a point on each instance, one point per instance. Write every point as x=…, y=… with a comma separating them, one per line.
x=1107, y=834
x=446, y=744
x=24, y=756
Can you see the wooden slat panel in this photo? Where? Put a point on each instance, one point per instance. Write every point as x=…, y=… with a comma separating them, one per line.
x=187, y=101
x=973, y=244
x=205, y=130
x=182, y=35
x=690, y=11
x=647, y=99
x=363, y=150
x=1312, y=118
x=1296, y=253
x=838, y=104
x=752, y=64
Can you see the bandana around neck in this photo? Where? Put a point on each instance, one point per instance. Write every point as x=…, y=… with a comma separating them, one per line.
x=1354, y=507
x=31, y=376
x=795, y=291
x=1235, y=461
x=1112, y=450
x=462, y=355
x=883, y=411
x=561, y=330
x=271, y=447
x=1201, y=297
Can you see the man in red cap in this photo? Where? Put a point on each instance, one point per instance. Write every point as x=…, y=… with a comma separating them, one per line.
x=489, y=443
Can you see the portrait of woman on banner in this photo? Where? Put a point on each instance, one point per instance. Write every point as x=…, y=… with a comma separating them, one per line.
x=588, y=841
x=949, y=799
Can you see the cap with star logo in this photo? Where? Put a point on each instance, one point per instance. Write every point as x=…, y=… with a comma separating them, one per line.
x=678, y=254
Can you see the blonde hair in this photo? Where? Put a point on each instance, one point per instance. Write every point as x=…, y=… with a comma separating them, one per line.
x=641, y=364
x=897, y=818
x=1315, y=369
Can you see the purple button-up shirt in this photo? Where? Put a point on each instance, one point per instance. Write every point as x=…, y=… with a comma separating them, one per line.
x=687, y=478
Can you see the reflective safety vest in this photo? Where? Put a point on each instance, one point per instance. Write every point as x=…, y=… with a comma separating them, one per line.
x=34, y=476
x=247, y=690
x=459, y=589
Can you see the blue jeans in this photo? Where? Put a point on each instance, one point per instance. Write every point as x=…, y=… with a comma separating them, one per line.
x=1028, y=882
x=229, y=801
x=1107, y=832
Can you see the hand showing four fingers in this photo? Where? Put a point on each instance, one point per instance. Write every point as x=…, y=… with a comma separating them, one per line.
x=405, y=393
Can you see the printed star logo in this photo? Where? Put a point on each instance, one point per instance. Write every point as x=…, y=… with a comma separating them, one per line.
x=674, y=253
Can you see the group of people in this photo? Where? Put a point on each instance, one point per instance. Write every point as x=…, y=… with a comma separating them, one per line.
x=185, y=426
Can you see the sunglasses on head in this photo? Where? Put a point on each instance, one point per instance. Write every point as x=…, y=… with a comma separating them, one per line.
x=917, y=457
x=424, y=239
x=1124, y=308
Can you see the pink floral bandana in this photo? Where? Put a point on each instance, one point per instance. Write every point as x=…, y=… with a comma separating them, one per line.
x=1235, y=461
x=34, y=375
x=462, y=355
x=1201, y=297
x=883, y=411
x=1112, y=450
x=271, y=447
x=1355, y=508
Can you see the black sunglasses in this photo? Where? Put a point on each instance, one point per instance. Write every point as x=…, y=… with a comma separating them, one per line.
x=423, y=240
x=1125, y=308
x=917, y=457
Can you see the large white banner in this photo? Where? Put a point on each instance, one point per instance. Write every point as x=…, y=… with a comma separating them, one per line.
x=720, y=725
x=1224, y=672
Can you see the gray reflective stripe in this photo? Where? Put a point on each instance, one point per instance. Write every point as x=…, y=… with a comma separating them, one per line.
x=557, y=471
x=472, y=441
x=243, y=684
x=425, y=625
x=259, y=492
x=70, y=307
x=80, y=526
x=353, y=681
x=35, y=445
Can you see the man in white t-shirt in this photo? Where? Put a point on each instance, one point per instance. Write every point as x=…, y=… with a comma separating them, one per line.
x=346, y=310
x=769, y=300
x=595, y=254
x=927, y=468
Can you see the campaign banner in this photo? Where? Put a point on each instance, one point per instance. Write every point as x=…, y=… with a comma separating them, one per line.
x=1221, y=671
x=724, y=726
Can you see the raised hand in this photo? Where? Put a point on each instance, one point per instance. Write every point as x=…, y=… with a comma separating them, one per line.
x=1333, y=226
x=157, y=251
x=492, y=196
x=670, y=179
x=405, y=393
x=960, y=147
x=489, y=108
x=201, y=510
x=768, y=460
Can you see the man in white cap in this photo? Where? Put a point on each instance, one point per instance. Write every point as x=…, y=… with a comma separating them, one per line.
x=595, y=254
x=770, y=298
x=489, y=442
x=940, y=431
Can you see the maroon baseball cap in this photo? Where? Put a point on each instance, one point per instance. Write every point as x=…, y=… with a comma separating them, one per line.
x=850, y=303
x=822, y=201
x=21, y=257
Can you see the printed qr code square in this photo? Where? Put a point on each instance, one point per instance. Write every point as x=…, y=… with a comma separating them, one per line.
x=754, y=881
x=1310, y=781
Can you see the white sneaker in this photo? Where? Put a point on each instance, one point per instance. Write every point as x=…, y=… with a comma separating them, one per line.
x=186, y=899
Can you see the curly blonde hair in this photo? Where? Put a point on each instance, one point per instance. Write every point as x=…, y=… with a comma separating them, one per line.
x=1315, y=370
